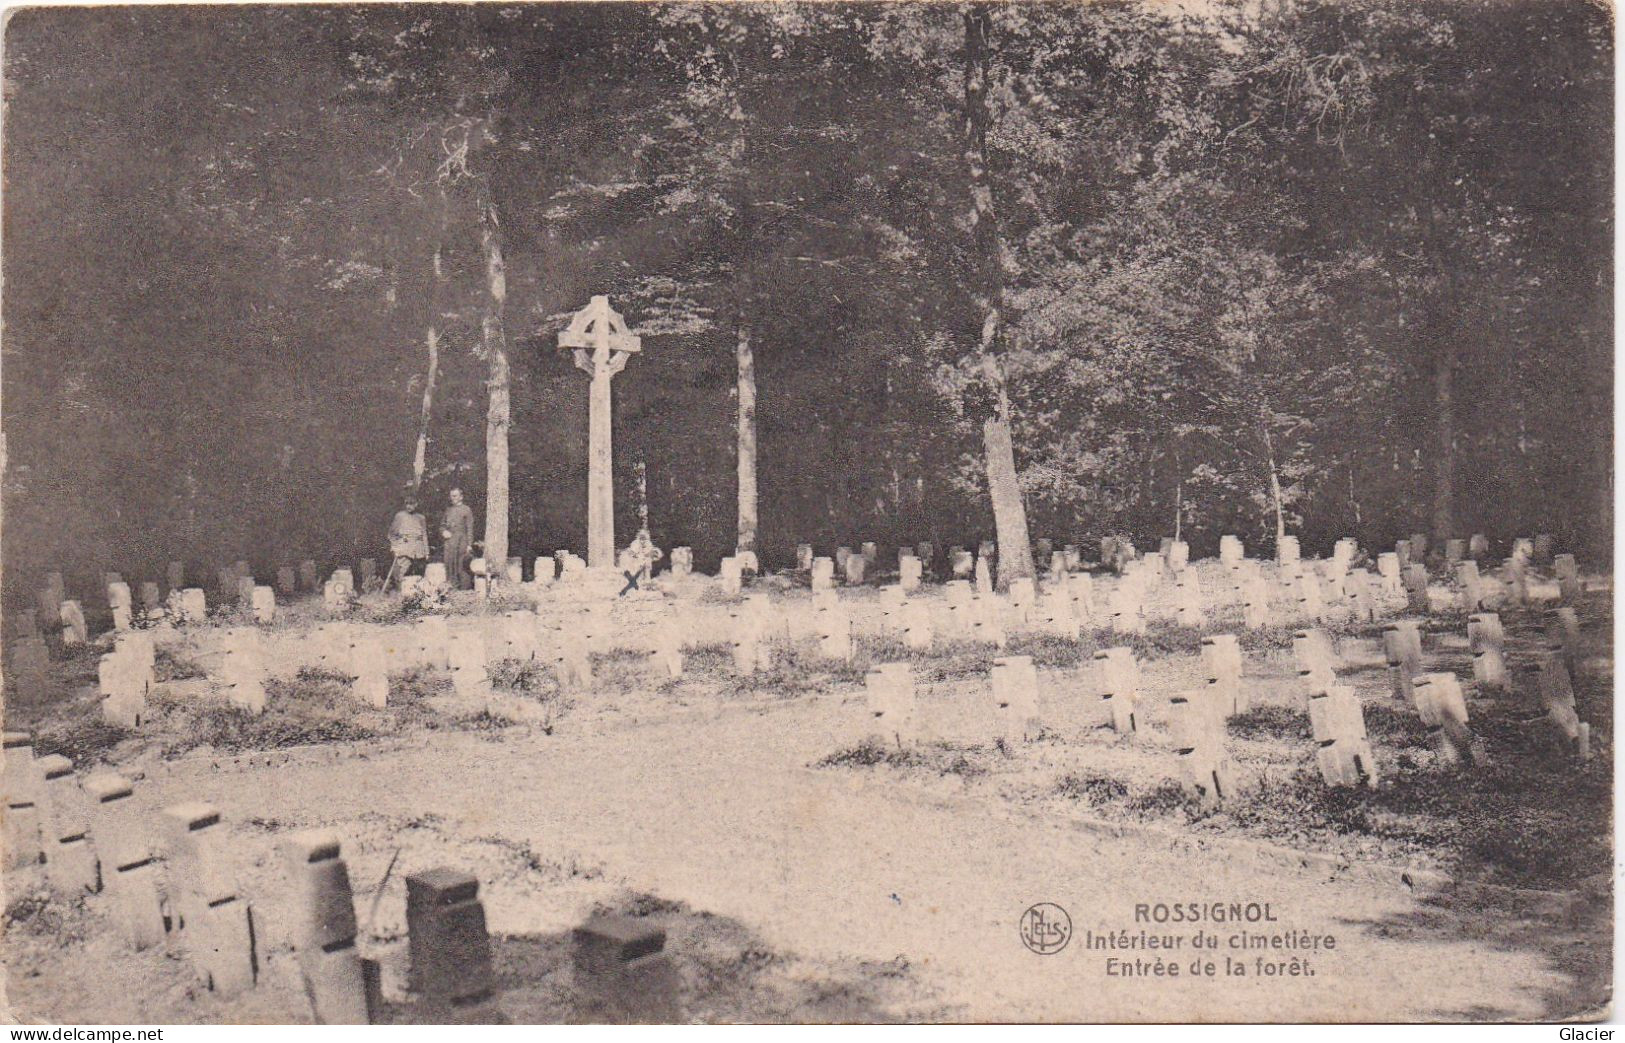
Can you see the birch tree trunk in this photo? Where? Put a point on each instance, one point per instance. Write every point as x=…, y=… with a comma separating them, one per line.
x=746, y=359
x=497, y=416
x=431, y=339
x=1004, y=489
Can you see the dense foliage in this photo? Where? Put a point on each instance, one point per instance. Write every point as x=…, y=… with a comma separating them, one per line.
x=1340, y=268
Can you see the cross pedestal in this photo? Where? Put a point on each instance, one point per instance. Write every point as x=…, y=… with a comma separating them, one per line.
x=597, y=334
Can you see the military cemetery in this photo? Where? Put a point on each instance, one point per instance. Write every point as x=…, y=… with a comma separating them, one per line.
x=784, y=712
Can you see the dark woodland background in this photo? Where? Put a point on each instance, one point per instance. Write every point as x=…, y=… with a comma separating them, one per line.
x=1362, y=247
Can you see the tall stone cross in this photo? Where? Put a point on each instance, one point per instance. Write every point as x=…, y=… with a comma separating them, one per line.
x=598, y=336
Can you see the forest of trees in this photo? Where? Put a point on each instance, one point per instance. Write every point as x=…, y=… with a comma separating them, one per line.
x=1329, y=267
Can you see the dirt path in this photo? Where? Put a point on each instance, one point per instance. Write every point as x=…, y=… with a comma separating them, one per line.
x=720, y=812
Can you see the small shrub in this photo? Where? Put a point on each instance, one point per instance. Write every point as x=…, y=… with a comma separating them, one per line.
x=169, y=665
x=1270, y=722
x=1092, y=789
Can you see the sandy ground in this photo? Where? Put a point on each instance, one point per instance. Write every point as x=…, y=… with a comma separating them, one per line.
x=802, y=893
x=719, y=814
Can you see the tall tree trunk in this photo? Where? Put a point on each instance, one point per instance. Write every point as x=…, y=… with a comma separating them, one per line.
x=1004, y=488
x=497, y=415
x=745, y=357
x=431, y=339
x=1275, y=488
x=1444, y=467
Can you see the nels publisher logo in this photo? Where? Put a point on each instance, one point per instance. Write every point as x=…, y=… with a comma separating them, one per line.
x=1046, y=928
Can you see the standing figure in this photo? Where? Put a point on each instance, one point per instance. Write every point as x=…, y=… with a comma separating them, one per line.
x=408, y=543
x=457, y=529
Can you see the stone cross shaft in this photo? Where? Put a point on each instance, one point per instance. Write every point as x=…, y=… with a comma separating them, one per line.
x=598, y=336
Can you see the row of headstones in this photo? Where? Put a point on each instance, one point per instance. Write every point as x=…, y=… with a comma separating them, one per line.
x=1065, y=605
x=1546, y=682
x=367, y=654
x=1342, y=748
x=91, y=840
x=1197, y=716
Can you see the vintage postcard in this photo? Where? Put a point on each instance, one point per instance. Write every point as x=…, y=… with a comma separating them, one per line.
x=808, y=512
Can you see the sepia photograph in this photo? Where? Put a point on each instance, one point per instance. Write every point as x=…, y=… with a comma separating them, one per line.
x=807, y=513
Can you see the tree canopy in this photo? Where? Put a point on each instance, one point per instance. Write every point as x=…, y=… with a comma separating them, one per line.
x=1333, y=267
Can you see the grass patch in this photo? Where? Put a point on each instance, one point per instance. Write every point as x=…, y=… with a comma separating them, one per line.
x=936, y=758
x=311, y=708
x=170, y=665
x=1091, y=789
x=1270, y=722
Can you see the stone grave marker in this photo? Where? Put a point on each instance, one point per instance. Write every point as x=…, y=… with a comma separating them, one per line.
x=1230, y=550
x=1080, y=588
x=1198, y=740
x=915, y=620
x=834, y=626
x=1402, y=647
x=1478, y=546
x=984, y=576
x=889, y=690
x=1317, y=663
x=263, y=603
x=1362, y=601
x=324, y=928
x=23, y=786
x=621, y=972
x=1416, y=589
x=1221, y=663
x=667, y=640
x=1015, y=699
x=450, y=948
x=1568, y=577
x=961, y=563
x=1443, y=708
x=1127, y=607
x=1388, y=567
x=1256, y=609
x=209, y=915
x=1307, y=590
x=1055, y=611
x=1188, y=611
x=823, y=574
x=371, y=664
x=1178, y=556
x=1287, y=554
x=243, y=670
x=988, y=611
x=74, y=631
x=1471, y=593
x=1342, y=751
x=856, y=564
x=1022, y=596
x=909, y=572
x=70, y=860
x=1117, y=682
x=285, y=581
x=128, y=871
